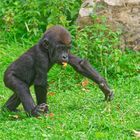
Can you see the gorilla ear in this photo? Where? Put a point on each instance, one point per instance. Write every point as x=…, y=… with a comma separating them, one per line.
x=45, y=43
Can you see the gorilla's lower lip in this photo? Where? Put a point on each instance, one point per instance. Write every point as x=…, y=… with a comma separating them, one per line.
x=64, y=61
x=61, y=62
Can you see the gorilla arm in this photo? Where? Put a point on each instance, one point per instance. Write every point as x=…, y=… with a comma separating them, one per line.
x=84, y=68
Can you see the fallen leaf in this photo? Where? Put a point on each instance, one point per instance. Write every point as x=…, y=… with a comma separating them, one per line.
x=85, y=90
x=51, y=114
x=85, y=83
x=51, y=94
x=136, y=133
x=15, y=116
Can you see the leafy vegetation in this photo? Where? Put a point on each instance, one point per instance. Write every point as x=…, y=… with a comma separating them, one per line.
x=28, y=18
x=76, y=107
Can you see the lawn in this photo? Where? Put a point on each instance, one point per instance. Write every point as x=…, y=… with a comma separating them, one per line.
x=76, y=111
x=76, y=107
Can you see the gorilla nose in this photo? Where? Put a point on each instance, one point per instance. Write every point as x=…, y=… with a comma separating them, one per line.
x=65, y=58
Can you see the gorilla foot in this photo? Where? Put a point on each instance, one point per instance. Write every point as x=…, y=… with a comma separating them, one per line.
x=40, y=110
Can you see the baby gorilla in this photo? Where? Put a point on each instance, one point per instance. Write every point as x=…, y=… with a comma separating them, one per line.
x=32, y=67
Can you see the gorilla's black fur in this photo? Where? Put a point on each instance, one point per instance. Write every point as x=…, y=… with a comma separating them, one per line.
x=32, y=68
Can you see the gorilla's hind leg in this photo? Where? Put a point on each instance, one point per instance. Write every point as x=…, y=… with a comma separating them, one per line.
x=12, y=103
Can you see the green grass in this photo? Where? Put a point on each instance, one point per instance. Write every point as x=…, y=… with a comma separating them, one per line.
x=79, y=112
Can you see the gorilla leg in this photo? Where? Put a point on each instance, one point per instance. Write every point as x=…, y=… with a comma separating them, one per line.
x=41, y=94
x=22, y=92
x=13, y=102
x=41, y=97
